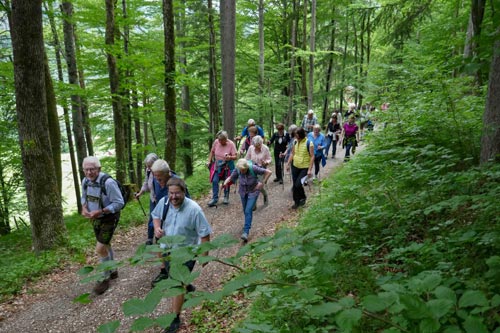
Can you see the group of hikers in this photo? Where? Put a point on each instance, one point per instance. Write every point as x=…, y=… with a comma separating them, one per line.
x=172, y=212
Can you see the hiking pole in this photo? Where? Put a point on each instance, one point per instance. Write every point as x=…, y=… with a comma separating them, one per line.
x=140, y=204
x=282, y=161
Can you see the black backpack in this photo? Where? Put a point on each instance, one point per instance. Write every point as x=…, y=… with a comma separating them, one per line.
x=125, y=191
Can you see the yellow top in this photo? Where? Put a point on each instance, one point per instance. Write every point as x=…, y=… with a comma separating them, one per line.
x=301, y=157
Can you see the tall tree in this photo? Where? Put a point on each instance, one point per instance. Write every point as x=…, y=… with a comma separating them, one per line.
x=169, y=87
x=76, y=111
x=312, y=49
x=490, y=141
x=473, y=33
x=187, y=146
x=228, y=54
x=44, y=201
x=329, y=70
x=293, y=43
x=67, y=124
x=114, y=84
x=213, y=86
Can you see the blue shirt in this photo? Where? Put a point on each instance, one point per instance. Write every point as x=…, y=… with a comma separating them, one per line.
x=188, y=220
x=112, y=201
x=248, y=181
x=260, y=131
x=318, y=141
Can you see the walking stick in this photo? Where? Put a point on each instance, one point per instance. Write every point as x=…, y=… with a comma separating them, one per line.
x=282, y=161
x=140, y=204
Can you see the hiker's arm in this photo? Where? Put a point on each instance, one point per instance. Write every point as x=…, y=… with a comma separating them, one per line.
x=115, y=197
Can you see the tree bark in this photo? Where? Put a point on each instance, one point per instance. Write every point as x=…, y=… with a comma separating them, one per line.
x=228, y=51
x=213, y=107
x=67, y=124
x=312, y=49
x=473, y=33
x=291, y=115
x=44, y=201
x=490, y=140
x=329, y=71
x=114, y=84
x=169, y=98
x=69, y=46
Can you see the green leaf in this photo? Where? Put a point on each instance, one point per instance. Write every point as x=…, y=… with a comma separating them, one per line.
x=85, y=270
x=439, y=307
x=165, y=320
x=380, y=302
x=445, y=293
x=472, y=298
x=415, y=307
x=325, y=309
x=452, y=329
x=348, y=318
x=429, y=325
x=83, y=299
x=474, y=325
x=347, y=302
x=134, y=306
x=109, y=327
x=142, y=323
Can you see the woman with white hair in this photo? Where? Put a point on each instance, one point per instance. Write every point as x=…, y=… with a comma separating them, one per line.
x=147, y=186
x=259, y=154
x=249, y=188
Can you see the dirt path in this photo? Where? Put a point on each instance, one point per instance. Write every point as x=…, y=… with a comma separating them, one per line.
x=48, y=305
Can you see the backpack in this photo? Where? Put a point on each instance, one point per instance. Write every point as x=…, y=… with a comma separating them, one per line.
x=250, y=168
x=125, y=191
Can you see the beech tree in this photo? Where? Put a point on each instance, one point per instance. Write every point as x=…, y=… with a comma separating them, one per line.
x=44, y=199
x=228, y=54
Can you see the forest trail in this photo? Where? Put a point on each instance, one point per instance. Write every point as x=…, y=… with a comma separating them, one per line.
x=47, y=306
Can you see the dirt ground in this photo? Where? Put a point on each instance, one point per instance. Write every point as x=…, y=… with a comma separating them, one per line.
x=47, y=306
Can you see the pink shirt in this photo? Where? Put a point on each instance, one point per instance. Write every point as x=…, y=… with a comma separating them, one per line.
x=220, y=151
x=260, y=158
x=350, y=130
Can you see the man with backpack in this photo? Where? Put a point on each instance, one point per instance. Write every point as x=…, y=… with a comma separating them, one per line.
x=102, y=201
x=177, y=215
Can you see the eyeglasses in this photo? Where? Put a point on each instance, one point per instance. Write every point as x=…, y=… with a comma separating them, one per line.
x=89, y=169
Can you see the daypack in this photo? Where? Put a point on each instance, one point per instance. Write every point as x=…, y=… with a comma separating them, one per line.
x=250, y=168
x=123, y=190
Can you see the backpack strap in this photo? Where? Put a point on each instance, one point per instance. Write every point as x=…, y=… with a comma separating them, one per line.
x=165, y=211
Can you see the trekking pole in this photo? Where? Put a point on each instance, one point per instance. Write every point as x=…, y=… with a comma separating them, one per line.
x=140, y=204
x=282, y=161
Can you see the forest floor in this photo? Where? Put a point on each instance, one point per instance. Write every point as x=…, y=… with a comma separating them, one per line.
x=48, y=306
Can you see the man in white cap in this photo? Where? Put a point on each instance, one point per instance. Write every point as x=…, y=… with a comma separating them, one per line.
x=309, y=121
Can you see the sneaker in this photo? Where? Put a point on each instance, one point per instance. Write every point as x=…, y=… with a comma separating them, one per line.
x=266, y=200
x=212, y=203
x=244, y=236
x=160, y=277
x=113, y=275
x=226, y=200
x=295, y=206
x=174, y=326
x=281, y=181
x=302, y=202
x=149, y=242
x=276, y=180
x=101, y=286
x=254, y=207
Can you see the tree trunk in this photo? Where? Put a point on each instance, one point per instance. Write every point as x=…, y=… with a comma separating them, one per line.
x=169, y=98
x=114, y=84
x=53, y=120
x=228, y=51
x=186, y=144
x=261, y=57
x=139, y=156
x=69, y=46
x=291, y=90
x=213, y=107
x=67, y=125
x=44, y=201
x=312, y=49
x=473, y=33
x=344, y=64
x=329, y=71
x=303, y=62
x=490, y=141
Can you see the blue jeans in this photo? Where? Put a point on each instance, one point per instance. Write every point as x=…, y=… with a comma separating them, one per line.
x=248, y=201
x=215, y=187
x=348, y=147
x=330, y=141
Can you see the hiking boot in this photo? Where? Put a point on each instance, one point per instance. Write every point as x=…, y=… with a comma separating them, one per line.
x=174, y=326
x=266, y=200
x=295, y=206
x=160, y=277
x=281, y=181
x=113, y=275
x=226, y=200
x=302, y=202
x=276, y=180
x=244, y=237
x=101, y=286
x=212, y=203
x=149, y=242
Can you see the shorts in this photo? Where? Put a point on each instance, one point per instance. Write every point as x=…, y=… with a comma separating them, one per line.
x=104, y=228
